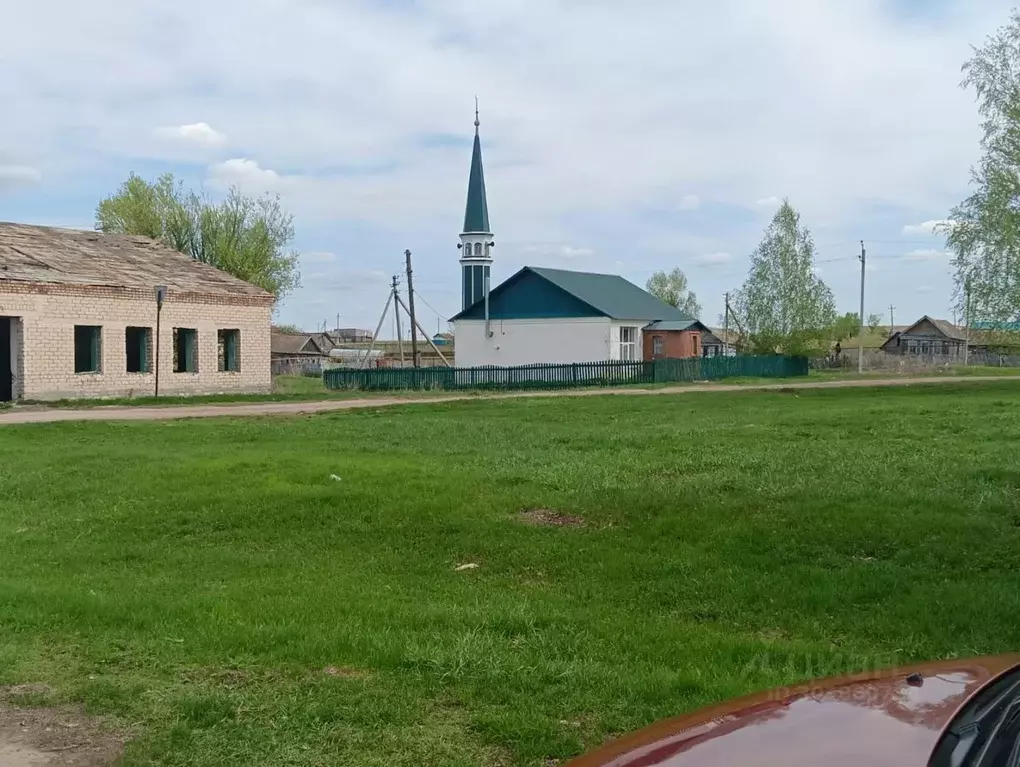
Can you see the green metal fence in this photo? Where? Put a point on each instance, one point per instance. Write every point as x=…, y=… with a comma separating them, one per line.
x=564, y=376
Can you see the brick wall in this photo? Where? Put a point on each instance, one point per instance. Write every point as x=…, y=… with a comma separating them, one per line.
x=675, y=344
x=44, y=351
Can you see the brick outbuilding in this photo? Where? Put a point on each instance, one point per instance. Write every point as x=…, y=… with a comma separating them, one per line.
x=79, y=317
x=672, y=339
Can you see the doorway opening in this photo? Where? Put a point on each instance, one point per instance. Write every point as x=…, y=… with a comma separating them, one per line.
x=6, y=368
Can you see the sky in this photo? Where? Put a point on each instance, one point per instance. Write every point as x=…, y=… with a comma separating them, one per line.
x=621, y=138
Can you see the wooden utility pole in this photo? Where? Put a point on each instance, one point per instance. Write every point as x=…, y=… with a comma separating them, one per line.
x=396, y=315
x=966, y=322
x=378, y=328
x=892, y=321
x=860, y=336
x=410, y=311
x=425, y=335
x=726, y=327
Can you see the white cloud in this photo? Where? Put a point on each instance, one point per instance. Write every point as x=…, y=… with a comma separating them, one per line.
x=558, y=251
x=689, y=202
x=925, y=254
x=926, y=228
x=924, y=289
x=197, y=134
x=713, y=259
x=12, y=176
x=768, y=202
x=569, y=252
x=246, y=175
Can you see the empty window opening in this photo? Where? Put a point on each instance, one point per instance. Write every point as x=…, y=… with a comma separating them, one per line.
x=138, y=349
x=87, y=348
x=229, y=350
x=185, y=350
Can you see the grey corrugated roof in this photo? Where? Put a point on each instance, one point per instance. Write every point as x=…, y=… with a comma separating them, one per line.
x=611, y=295
x=44, y=254
x=945, y=327
x=950, y=329
x=294, y=343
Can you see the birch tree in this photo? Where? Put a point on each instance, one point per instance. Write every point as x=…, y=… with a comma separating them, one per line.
x=671, y=287
x=783, y=306
x=983, y=231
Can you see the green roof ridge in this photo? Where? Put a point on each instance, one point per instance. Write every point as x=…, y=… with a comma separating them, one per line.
x=611, y=294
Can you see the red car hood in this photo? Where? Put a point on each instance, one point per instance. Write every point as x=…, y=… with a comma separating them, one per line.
x=876, y=719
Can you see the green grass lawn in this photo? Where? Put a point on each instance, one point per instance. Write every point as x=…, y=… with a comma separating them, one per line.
x=292, y=388
x=285, y=388
x=207, y=585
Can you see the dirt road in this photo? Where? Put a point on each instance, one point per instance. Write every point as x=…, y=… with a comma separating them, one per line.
x=17, y=416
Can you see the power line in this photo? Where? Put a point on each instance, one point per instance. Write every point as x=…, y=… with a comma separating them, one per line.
x=430, y=306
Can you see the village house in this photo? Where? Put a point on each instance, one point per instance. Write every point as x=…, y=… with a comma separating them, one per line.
x=718, y=342
x=84, y=314
x=291, y=345
x=928, y=337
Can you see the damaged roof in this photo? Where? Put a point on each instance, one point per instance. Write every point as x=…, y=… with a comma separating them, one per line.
x=48, y=255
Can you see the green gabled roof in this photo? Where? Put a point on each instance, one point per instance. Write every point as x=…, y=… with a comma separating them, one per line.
x=611, y=295
x=590, y=295
x=675, y=325
x=476, y=212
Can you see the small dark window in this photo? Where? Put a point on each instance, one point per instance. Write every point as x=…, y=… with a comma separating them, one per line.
x=87, y=348
x=185, y=350
x=138, y=349
x=229, y=350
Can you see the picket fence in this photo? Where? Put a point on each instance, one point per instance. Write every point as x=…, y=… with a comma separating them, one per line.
x=580, y=374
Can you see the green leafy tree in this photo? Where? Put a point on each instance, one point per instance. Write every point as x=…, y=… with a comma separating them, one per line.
x=983, y=231
x=783, y=306
x=847, y=326
x=287, y=329
x=247, y=237
x=671, y=287
x=874, y=322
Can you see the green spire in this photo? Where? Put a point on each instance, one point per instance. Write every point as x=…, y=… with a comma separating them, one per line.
x=476, y=213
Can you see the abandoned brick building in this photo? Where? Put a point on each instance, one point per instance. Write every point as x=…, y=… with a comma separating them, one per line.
x=84, y=314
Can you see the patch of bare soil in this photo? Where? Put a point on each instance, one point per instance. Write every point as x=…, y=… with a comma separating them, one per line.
x=549, y=518
x=346, y=672
x=62, y=736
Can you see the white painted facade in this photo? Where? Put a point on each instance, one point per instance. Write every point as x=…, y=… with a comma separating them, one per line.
x=618, y=349
x=534, y=341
